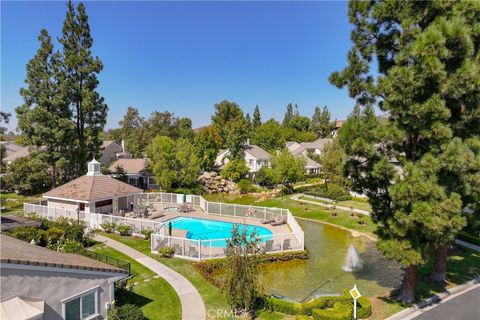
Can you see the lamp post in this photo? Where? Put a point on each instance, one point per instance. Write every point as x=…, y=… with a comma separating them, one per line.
x=355, y=295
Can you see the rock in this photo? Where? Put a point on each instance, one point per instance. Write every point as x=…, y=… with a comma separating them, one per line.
x=213, y=183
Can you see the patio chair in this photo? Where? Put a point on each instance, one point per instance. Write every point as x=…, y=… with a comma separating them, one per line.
x=278, y=221
x=192, y=251
x=268, y=246
x=177, y=248
x=286, y=244
x=269, y=219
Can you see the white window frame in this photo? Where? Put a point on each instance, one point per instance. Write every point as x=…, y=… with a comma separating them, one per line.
x=95, y=290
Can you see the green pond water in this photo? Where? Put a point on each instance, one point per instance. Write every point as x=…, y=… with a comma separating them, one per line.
x=322, y=273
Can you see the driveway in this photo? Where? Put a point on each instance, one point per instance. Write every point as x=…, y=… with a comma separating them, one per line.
x=462, y=307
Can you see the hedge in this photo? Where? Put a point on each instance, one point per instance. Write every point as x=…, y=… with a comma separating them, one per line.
x=468, y=238
x=207, y=267
x=338, y=307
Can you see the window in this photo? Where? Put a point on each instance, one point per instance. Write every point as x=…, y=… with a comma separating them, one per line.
x=251, y=162
x=132, y=181
x=83, y=306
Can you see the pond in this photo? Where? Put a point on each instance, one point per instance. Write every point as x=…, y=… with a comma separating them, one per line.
x=322, y=274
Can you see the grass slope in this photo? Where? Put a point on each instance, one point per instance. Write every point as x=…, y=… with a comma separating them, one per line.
x=155, y=297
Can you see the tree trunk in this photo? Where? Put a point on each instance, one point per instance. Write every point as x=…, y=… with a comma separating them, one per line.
x=440, y=263
x=409, y=284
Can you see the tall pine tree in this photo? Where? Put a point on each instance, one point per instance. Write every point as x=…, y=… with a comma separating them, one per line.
x=320, y=122
x=257, y=119
x=45, y=119
x=289, y=114
x=408, y=165
x=81, y=68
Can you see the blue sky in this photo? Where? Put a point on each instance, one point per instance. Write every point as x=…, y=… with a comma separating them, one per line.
x=185, y=56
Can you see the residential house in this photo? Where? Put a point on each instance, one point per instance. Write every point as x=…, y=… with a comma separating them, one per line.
x=338, y=125
x=303, y=149
x=94, y=192
x=112, y=151
x=39, y=283
x=15, y=151
x=136, y=171
x=254, y=156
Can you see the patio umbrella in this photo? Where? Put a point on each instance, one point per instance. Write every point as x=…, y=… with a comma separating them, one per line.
x=184, y=197
x=170, y=229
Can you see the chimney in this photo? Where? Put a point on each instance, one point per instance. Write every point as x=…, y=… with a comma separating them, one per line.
x=123, y=146
x=248, y=141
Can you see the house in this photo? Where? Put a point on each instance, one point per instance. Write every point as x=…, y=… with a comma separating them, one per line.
x=338, y=125
x=111, y=151
x=11, y=147
x=39, y=283
x=311, y=166
x=254, y=156
x=303, y=148
x=136, y=171
x=15, y=151
x=94, y=192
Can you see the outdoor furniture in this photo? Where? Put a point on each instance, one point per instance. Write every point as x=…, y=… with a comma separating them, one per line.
x=270, y=219
x=268, y=246
x=278, y=221
x=286, y=244
x=192, y=251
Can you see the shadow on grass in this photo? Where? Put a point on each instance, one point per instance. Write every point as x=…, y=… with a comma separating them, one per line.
x=130, y=297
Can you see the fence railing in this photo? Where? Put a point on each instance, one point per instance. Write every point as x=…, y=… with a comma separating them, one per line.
x=107, y=259
x=195, y=249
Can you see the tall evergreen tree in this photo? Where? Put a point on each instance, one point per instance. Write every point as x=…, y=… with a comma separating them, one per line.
x=324, y=127
x=248, y=121
x=257, y=119
x=135, y=132
x=45, y=119
x=287, y=119
x=81, y=69
x=428, y=84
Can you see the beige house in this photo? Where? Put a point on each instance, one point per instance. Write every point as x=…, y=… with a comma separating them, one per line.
x=94, y=192
x=39, y=283
x=111, y=151
x=254, y=156
x=137, y=172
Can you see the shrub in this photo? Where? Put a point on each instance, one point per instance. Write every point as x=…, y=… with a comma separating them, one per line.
x=70, y=246
x=147, y=233
x=265, y=177
x=364, y=308
x=166, y=252
x=27, y=234
x=340, y=311
x=235, y=170
x=124, y=230
x=52, y=235
x=333, y=191
x=109, y=227
x=125, y=312
x=344, y=198
x=284, y=306
x=245, y=186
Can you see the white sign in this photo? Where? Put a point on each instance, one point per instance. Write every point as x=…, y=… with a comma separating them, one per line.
x=355, y=295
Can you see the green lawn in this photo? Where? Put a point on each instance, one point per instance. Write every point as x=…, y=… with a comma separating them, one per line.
x=13, y=203
x=155, y=297
x=212, y=296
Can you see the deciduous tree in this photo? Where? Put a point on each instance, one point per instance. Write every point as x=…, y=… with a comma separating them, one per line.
x=269, y=136
x=207, y=144
x=288, y=168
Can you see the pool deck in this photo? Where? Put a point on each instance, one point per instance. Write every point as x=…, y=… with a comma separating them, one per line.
x=200, y=214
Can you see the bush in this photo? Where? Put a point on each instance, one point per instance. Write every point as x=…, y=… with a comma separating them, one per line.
x=340, y=311
x=125, y=312
x=147, y=233
x=246, y=186
x=284, y=306
x=109, y=227
x=344, y=198
x=166, y=252
x=53, y=235
x=265, y=177
x=235, y=170
x=70, y=246
x=333, y=191
x=468, y=238
x=364, y=308
x=124, y=230
x=27, y=234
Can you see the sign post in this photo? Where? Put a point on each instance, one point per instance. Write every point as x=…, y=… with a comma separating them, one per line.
x=355, y=295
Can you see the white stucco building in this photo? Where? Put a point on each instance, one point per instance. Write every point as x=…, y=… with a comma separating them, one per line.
x=254, y=156
x=94, y=192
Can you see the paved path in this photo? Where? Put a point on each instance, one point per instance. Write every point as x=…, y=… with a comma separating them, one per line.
x=193, y=307
x=467, y=245
x=462, y=307
x=296, y=197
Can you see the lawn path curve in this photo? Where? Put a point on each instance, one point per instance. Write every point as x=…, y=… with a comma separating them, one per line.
x=193, y=307
x=297, y=196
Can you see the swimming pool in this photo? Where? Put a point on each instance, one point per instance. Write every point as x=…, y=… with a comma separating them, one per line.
x=203, y=229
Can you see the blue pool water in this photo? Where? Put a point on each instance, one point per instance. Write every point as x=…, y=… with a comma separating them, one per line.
x=203, y=229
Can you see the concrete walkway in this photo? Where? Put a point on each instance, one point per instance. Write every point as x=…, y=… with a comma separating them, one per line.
x=193, y=307
x=296, y=197
x=467, y=245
